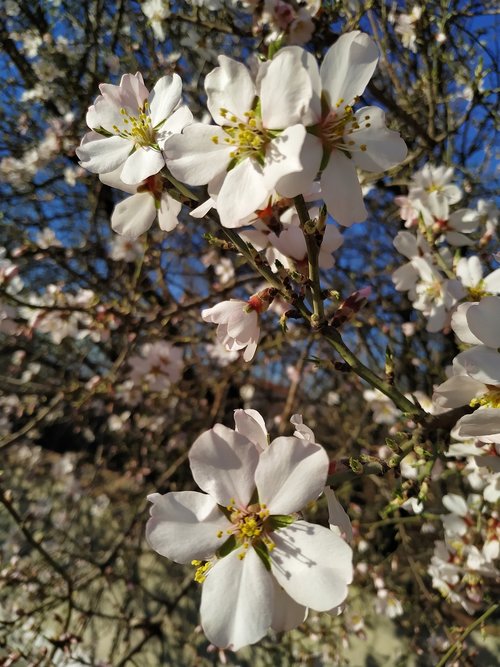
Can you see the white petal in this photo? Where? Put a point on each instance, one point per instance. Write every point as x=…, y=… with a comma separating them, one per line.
x=455, y=504
x=223, y=464
x=287, y=614
x=300, y=182
x=114, y=181
x=251, y=424
x=285, y=90
x=481, y=363
x=184, y=526
x=459, y=324
x=342, y=191
x=104, y=154
x=164, y=97
x=312, y=564
x=193, y=157
x=230, y=87
x=337, y=516
x=347, y=67
x=174, y=124
x=483, y=422
x=168, y=212
x=134, y=215
x=384, y=148
x=245, y=189
x=456, y=391
x=406, y=243
x=142, y=163
x=492, y=282
x=464, y=220
x=483, y=320
x=291, y=473
x=237, y=601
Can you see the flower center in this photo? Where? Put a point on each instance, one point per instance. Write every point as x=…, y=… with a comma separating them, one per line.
x=139, y=128
x=477, y=292
x=490, y=399
x=249, y=526
x=248, y=136
x=337, y=128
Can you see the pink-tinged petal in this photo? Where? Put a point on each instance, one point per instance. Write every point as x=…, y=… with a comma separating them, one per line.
x=134, y=215
x=481, y=363
x=312, y=564
x=483, y=320
x=223, y=311
x=456, y=391
x=250, y=351
x=483, y=422
x=168, y=212
x=301, y=181
x=131, y=93
x=375, y=148
x=285, y=90
x=193, y=157
x=164, y=97
x=230, y=87
x=223, y=464
x=287, y=614
x=245, y=189
x=184, y=526
x=237, y=601
x=342, y=191
x=337, y=516
x=251, y=424
x=104, y=154
x=291, y=473
x=143, y=162
x=347, y=67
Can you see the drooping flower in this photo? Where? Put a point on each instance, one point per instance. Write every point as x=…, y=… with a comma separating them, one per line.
x=258, y=136
x=130, y=126
x=150, y=200
x=259, y=563
x=238, y=321
x=339, y=140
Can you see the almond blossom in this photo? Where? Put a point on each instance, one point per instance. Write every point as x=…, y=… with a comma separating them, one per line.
x=238, y=322
x=259, y=563
x=340, y=140
x=150, y=200
x=130, y=126
x=258, y=136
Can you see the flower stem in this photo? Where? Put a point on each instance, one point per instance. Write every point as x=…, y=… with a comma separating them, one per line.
x=312, y=260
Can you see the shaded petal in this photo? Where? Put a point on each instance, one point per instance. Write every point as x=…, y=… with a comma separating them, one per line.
x=174, y=124
x=459, y=324
x=285, y=89
x=291, y=473
x=104, y=154
x=251, y=424
x=312, y=564
x=230, y=87
x=184, y=526
x=193, y=157
x=483, y=422
x=342, y=191
x=456, y=391
x=347, y=67
x=300, y=182
x=143, y=162
x=237, y=601
x=168, y=212
x=337, y=516
x=481, y=363
x=384, y=148
x=245, y=189
x=483, y=320
x=134, y=215
x=492, y=282
x=114, y=181
x=164, y=97
x=223, y=464
x=287, y=614
x=406, y=244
